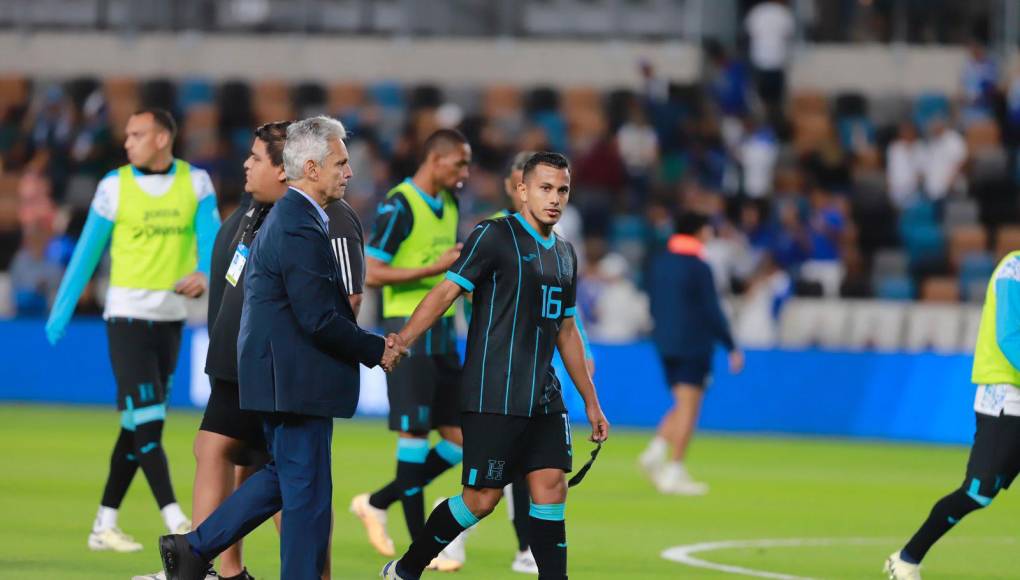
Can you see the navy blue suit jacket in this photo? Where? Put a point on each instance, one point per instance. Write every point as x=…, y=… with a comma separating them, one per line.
x=299, y=345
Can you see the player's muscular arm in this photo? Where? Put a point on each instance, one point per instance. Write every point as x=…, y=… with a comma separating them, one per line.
x=380, y=273
x=571, y=348
x=436, y=302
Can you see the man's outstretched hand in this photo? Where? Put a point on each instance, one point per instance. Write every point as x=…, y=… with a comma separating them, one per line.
x=396, y=349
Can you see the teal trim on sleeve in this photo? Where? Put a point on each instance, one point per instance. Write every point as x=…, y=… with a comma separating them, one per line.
x=377, y=254
x=460, y=281
x=87, y=252
x=412, y=450
x=1007, y=319
x=550, y=512
x=461, y=513
x=450, y=452
x=474, y=247
x=207, y=225
x=569, y=312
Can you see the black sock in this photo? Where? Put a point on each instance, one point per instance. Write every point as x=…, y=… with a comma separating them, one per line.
x=385, y=496
x=152, y=460
x=522, y=501
x=946, y=513
x=441, y=458
x=123, y=465
x=447, y=521
x=411, y=477
x=549, y=541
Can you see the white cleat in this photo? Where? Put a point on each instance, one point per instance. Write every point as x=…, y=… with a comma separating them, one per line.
x=389, y=571
x=454, y=555
x=898, y=569
x=525, y=563
x=112, y=540
x=651, y=464
x=182, y=528
x=374, y=520
x=674, y=480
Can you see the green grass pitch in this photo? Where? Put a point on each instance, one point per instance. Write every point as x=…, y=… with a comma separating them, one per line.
x=53, y=464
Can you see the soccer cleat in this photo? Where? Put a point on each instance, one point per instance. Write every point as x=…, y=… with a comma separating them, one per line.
x=899, y=569
x=113, y=540
x=244, y=575
x=179, y=561
x=374, y=520
x=389, y=571
x=674, y=480
x=651, y=463
x=182, y=528
x=525, y=563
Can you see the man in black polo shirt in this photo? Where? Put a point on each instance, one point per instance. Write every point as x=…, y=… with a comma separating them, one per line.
x=514, y=421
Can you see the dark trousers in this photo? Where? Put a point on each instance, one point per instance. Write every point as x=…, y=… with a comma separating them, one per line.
x=298, y=481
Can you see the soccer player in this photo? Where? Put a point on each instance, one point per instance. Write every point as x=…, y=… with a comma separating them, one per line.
x=995, y=456
x=689, y=322
x=524, y=279
x=161, y=215
x=517, y=492
x=413, y=244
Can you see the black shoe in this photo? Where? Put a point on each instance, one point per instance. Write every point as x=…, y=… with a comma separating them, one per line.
x=244, y=575
x=179, y=562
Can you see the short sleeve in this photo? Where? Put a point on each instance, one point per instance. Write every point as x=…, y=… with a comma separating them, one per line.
x=477, y=258
x=202, y=183
x=107, y=194
x=393, y=223
x=570, y=292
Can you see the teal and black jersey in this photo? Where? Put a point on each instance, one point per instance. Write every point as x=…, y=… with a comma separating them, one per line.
x=524, y=287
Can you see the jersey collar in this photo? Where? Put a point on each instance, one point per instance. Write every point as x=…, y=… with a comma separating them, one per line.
x=171, y=171
x=686, y=246
x=435, y=203
x=547, y=243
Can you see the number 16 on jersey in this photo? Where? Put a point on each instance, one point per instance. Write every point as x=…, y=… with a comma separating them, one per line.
x=552, y=306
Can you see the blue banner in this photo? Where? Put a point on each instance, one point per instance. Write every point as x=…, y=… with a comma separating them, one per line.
x=919, y=397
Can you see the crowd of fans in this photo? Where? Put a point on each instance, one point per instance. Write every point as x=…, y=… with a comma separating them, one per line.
x=810, y=193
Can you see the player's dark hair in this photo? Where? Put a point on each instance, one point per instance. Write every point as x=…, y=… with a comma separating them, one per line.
x=274, y=135
x=550, y=158
x=690, y=223
x=441, y=140
x=162, y=117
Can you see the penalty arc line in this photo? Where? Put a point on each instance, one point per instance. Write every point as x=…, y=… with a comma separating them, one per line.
x=684, y=554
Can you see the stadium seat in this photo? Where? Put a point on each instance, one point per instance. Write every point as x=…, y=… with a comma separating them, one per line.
x=271, y=102
x=940, y=289
x=889, y=262
x=1007, y=239
x=888, y=110
x=982, y=135
x=960, y=212
x=895, y=287
x=14, y=91
x=122, y=99
x=160, y=93
x=975, y=270
x=309, y=99
x=964, y=241
x=79, y=190
x=927, y=106
x=804, y=101
x=876, y=324
x=195, y=91
x=933, y=327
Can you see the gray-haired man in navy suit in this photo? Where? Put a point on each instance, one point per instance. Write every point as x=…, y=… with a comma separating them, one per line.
x=298, y=354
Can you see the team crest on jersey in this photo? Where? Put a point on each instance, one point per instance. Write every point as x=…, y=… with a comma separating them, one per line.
x=495, y=470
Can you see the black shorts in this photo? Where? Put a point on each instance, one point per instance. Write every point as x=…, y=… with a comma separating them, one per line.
x=689, y=370
x=224, y=415
x=143, y=354
x=424, y=393
x=995, y=457
x=499, y=448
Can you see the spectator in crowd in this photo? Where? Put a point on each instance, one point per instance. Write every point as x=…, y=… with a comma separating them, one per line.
x=944, y=159
x=758, y=154
x=35, y=269
x=639, y=148
x=824, y=229
x=979, y=83
x=771, y=27
x=905, y=160
x=52, y=134
x=93, y=150
x=620, y=307
x=728, y=86
x=757, y=322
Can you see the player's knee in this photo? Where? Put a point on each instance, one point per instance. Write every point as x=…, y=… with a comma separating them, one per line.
x=982, y=491
x=482, y=501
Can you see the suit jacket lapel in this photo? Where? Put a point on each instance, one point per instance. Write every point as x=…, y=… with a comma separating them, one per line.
x=299, y=199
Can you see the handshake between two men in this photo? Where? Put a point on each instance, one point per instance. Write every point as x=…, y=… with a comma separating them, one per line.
x=396, y=350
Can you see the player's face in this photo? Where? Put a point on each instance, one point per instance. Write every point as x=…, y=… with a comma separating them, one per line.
x=451, y=168
x=510, y=185
x=545, y=193
x=335, y=171
x=145, y=140
x=264, y=181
